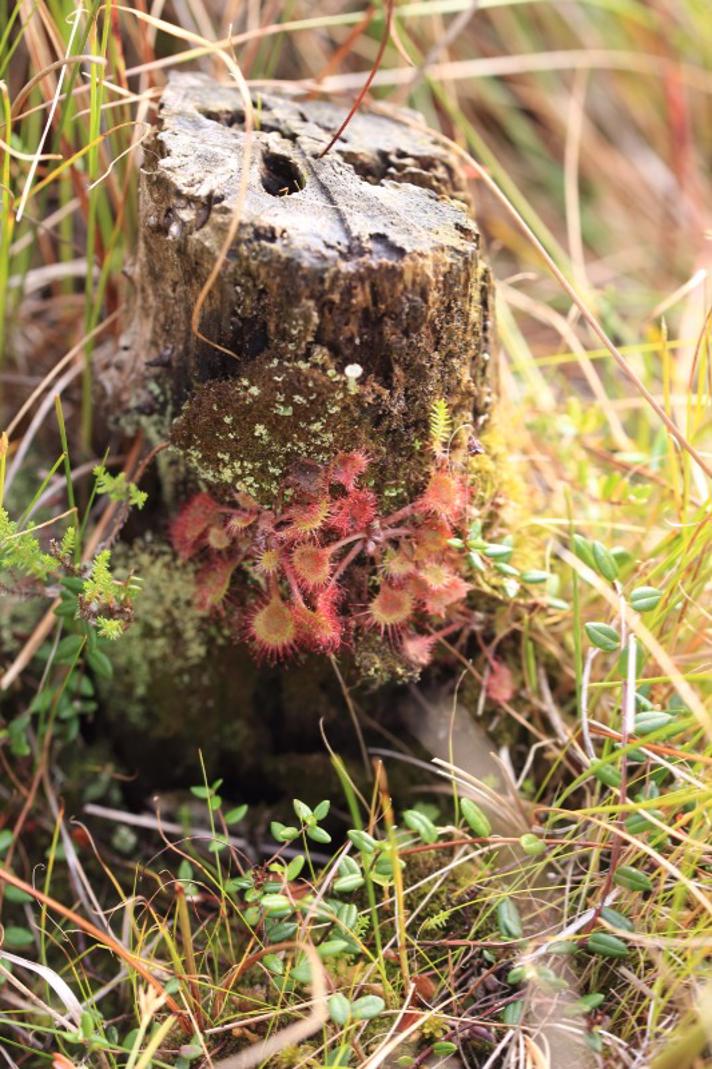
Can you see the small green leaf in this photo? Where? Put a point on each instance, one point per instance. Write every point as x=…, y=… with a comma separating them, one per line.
x=339, y=1058
x=363, y=841
x=607, y=775
x=5, y=840
x=275, y=903
x=531, y=844
x=367, y=1007
x=124, y=839
x=645, y=598
x=339, y=1009
x=603, y=636
x=251, y=916
x=583, y=550
x=584, y=1004
x=280, y=931
x=618, y=920
x=443, y=1047
x=322, y=810
x=548, y=978
x=607, y=945
x=318, y=835
x=652, y=720
x=234, y=816
x=512, y=1012
x=100, y=664
x=274, y=963
x=497, y=551
x=639, y=823
x=508, y=920
x=282, y=833
x=347, y=914
x=594, y=1040
x=384, y=865
x=633, y=879
x=17, y=938
x=69, y=649
x=604, y=561
x=68, y=609
x=534, y=576
x=421, y=825
x=562, y=947
x=19, y=897
x=507, y=569
x=624, y=660
x=349, y=866
x=330, y=948
x=73, y=583
x=303, y=811
x=347, y=884
x=302, y=971
x=238, y=883
x=294, y=867
x=511, y=588
x=476, y=562
x=476, y=819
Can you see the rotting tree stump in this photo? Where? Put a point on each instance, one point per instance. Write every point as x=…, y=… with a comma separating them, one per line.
x=367, y=256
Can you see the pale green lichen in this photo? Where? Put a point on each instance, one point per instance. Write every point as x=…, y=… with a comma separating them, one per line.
x=166, y=629
x=180, y=685
x=244, y=435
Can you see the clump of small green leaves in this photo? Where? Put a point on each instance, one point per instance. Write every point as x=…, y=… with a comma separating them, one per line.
x=20, y=551
x=119, y=488
x=106, y=601
x=92, y=608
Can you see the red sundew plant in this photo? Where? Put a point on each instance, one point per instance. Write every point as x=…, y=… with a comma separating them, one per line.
x=329, y=564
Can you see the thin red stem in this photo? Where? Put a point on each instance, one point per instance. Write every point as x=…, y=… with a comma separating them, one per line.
x=367, y=84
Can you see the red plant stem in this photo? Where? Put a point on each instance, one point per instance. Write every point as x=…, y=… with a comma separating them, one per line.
x=396, y=532
x=345, y=48
x=445, y=631
x=252, y=516
x=367, y=84
x=333, y=546
x=345, y=561
x=293, y=584
x=391, y=532
x=401, y=514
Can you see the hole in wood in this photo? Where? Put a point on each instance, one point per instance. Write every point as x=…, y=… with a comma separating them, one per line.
x=225, y=118
x=281, y=175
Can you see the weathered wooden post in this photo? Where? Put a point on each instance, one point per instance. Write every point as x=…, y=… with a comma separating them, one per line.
x=353, y=296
